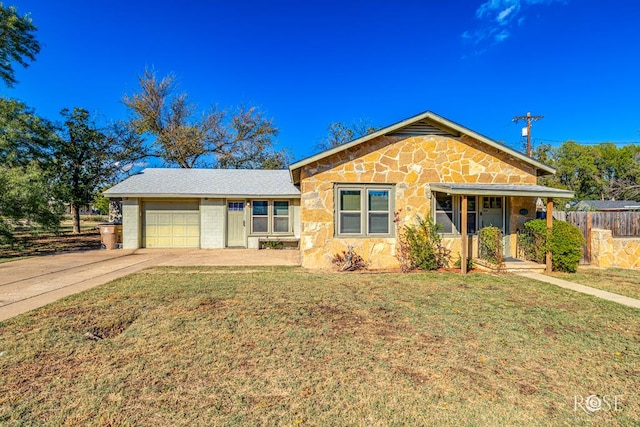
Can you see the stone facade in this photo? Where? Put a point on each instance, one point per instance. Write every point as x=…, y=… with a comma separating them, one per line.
x=411, y=164
x=607, y=251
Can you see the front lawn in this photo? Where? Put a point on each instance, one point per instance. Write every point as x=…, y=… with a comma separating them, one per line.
x=283, y=346
x=617, y=280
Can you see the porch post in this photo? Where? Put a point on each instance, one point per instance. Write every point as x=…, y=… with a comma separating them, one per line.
x=549, y=228
x=463, y=237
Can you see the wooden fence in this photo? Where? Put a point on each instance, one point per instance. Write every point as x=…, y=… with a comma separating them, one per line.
x=621, y=224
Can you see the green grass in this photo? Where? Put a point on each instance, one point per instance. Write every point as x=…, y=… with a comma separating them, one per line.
x=283, y=346
x=617, y=280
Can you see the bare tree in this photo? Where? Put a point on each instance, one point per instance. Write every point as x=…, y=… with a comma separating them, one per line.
x=339, y=133
x=243, y=139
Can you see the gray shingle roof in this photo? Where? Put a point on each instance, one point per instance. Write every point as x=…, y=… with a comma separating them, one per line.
x=162, y=182
x=608, y=205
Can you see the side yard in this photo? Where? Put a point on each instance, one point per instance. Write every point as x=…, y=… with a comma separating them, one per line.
x=284, y=346
x=617, y=280
x=33, y=242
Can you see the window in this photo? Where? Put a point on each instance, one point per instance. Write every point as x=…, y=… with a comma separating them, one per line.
x=350, y=212
x=448, y=207
x=472, y=214
x=444, y=212
x=236, y=206
x=364, y=210
x=270, y=217
x=260, y=216
x=378, y=209
x=281, y=216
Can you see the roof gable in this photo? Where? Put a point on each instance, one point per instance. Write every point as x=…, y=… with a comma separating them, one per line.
x=426, y=123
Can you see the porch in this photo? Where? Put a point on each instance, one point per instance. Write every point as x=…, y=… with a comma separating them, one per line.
x=462, y=194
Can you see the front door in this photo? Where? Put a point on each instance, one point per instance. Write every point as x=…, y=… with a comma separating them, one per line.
x=236, y=234
x=492, y=213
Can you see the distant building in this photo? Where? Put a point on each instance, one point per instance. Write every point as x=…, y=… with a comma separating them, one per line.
x=608, y=205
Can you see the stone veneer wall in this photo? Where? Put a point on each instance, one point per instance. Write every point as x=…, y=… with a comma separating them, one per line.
x=411, y=163
x=607, y=251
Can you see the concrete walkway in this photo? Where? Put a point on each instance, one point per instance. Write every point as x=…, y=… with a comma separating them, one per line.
x=34, y=282
x=610, y=296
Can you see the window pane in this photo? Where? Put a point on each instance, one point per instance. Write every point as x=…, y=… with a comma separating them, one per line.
x=350, y=223
x=445, y=220
x=379, y=223
x=443, y=202
x=349, y=200
x=471, y=204
x=471, y=223
x=378, y=200
x=280, y=208
x=261, y=208
x=281, y=224
x=260, y=224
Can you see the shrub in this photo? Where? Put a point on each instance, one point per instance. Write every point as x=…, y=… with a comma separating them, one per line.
x=422, y=246
x=490, y=245
x=565, y=244
x=458, y=262
x=349, y=260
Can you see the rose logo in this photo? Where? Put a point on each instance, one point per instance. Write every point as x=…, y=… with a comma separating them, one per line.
x=593, y=403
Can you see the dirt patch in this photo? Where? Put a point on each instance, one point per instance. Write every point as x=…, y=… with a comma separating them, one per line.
x=27, y=244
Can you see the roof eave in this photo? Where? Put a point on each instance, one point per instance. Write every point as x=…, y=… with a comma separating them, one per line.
x=199, y=196
x=512, y=192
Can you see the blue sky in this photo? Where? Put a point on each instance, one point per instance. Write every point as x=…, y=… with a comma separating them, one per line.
x=306, y=64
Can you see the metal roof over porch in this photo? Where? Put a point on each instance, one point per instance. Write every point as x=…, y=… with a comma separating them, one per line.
x=500, y=190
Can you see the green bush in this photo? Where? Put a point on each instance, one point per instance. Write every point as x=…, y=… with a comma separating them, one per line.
x=565, y=244
x=458, y=262
x=490, y=245
x=424, y=245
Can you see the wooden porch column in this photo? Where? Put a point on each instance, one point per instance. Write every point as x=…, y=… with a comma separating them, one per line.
x=549, y=228
x=463, y=237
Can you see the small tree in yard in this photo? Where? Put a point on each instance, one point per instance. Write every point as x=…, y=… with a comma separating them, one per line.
x=420, y=246
x=565, y=244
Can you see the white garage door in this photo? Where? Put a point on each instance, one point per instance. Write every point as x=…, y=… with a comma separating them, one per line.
x=171, y=225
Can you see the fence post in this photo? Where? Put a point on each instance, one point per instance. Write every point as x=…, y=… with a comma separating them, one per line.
x=589, y=226
x=549, y=228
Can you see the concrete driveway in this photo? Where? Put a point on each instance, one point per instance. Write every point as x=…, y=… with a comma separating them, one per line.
x=34, y=282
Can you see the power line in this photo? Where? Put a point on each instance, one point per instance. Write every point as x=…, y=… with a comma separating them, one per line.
x=529, y=118
x=588, y=142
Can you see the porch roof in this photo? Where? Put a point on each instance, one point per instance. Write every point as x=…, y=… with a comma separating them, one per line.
x=501, y=190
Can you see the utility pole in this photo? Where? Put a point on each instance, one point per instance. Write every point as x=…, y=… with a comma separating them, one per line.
x=529, y=118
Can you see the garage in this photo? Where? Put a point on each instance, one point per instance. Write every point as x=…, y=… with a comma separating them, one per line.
x=171, y=224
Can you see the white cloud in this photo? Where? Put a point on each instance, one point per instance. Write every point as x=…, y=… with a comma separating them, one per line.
x=505, y=13
x=497, y=19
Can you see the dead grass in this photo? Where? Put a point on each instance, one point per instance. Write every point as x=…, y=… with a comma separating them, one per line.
x=282, y=346
x=617, y=280
x=45, y=243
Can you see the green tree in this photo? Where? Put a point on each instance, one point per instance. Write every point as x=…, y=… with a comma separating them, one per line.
x=26, y=193
x=24, y=136
x=243, y=139
x=602, y=172
x=85, y=158
x=17, y=42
